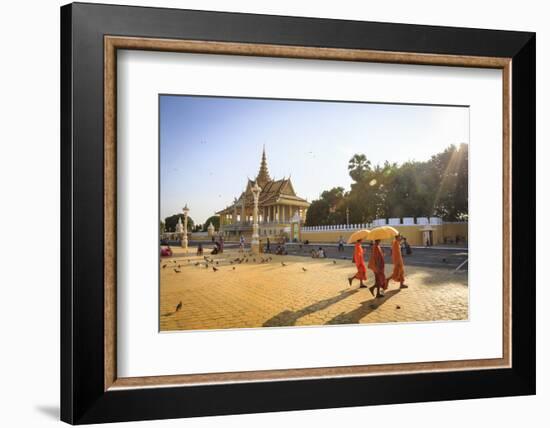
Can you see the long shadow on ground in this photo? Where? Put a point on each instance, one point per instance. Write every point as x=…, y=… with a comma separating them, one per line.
x=368, y=306
x=289, y=318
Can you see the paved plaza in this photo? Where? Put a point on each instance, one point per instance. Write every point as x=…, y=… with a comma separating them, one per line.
x=296, y=291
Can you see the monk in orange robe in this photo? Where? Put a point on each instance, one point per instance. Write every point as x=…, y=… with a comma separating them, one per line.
x=359, y=260
x=377, y=265
x=398, y=273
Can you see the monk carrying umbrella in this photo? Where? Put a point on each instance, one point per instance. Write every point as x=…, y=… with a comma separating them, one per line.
x=376, y=261
x=358, y=258
x=376, y=264
x=398, y=273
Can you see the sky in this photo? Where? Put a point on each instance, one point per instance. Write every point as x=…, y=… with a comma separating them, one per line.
x=209, y=146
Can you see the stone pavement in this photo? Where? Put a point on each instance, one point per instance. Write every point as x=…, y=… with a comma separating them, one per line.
x=305, y=291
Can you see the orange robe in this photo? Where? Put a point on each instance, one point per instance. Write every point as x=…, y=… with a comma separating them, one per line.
x=376, y=264
x=359, y=262
x=398, y=273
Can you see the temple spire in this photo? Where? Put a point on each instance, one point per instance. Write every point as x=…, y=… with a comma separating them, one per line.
x=263, y=175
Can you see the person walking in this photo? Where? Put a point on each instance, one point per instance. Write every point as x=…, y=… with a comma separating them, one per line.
x=341, y=244
x=241, y=244
x=408, y=250
x=358, y=258
x=398, y=273
x=377, y=265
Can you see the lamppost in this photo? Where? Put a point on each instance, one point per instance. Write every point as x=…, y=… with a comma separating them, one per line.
x=347, y=216
x=255, y=243
x=184, y=241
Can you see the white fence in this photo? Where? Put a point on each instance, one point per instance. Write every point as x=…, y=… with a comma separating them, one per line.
x=199, y=235
x=406, y=221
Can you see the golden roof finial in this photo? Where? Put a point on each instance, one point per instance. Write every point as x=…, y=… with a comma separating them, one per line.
x=263, y=175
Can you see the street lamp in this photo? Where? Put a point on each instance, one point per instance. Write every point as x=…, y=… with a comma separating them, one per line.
x=184, y=241
x=255, y=243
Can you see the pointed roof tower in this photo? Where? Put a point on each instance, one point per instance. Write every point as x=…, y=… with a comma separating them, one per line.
x=263, y=174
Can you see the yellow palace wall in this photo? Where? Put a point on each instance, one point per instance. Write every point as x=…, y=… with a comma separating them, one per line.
x=411, y=232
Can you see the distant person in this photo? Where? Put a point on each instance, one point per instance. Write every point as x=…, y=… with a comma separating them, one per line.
x=358, y=258
x=200, y=250
x=166, y=251
x=321, y=253
x=221, y=243
x=407, y=247
x=377, y=265
x=268, y=246
x=241, y=244
x=281, y=250
x=398, y=273
x=341, y=244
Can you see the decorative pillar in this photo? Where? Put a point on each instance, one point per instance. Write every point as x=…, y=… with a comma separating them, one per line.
x=243, y=213
x=234, y=211
x=179, y=229
x=255, y=243
x=211, y=230
x=184, y=241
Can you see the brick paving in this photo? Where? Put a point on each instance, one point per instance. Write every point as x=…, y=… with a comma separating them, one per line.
x=254, y=294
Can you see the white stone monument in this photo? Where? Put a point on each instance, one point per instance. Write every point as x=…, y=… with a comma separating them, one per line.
x=211, y=230
x=184, y=241
x=179, y=230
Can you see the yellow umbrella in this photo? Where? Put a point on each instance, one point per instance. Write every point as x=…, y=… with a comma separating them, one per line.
x=360, y=234
x=382, y=232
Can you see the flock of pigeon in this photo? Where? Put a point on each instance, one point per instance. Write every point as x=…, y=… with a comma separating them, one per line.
x=207, y=262
x=176, y=265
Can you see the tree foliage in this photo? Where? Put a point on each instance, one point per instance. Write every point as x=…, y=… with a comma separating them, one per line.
x=215, y=220
x=171, y=222
x=436, y=187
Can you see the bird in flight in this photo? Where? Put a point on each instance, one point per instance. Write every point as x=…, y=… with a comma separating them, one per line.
x=180, y=305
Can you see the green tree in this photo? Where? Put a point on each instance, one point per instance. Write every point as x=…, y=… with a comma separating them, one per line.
x=171, y=222
x=328, y=209
x=215, y=220
x=450, y=180
x=358, y=167
x=318, y=213
x=436, y=187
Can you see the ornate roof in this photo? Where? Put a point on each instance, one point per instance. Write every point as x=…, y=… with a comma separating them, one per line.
x=263, y=174
x=273, y=191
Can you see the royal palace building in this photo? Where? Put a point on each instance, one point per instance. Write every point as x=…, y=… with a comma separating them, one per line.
x=280, y=211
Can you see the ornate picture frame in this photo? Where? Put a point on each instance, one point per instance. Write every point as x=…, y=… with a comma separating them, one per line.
x=91, y=390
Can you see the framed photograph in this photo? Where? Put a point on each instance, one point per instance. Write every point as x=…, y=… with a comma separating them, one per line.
x=266, y=213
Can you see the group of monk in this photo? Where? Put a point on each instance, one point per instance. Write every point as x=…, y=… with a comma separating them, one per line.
x=377, y=265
